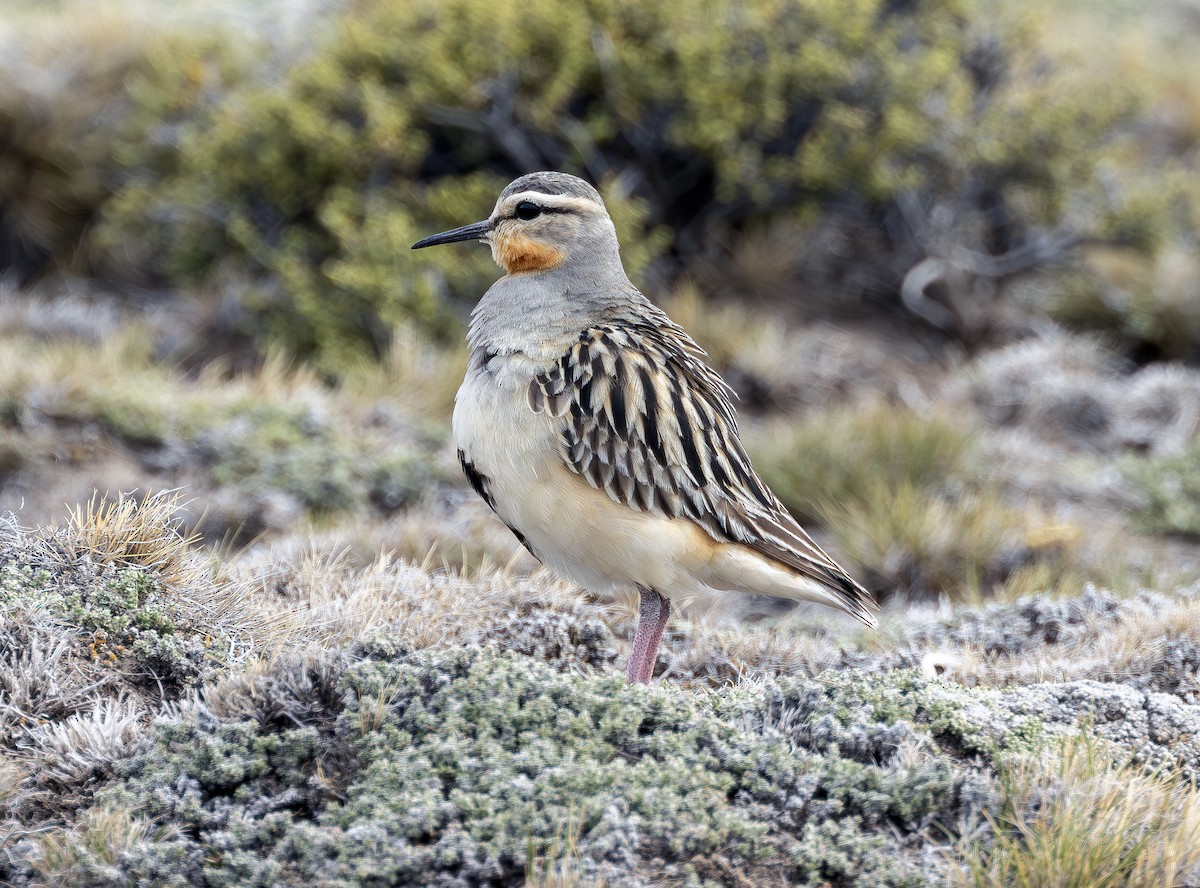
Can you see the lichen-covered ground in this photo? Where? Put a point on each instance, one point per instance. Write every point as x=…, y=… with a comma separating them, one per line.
x=335, y=725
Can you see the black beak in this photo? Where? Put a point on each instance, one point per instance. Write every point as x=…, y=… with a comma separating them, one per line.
x=475, y=231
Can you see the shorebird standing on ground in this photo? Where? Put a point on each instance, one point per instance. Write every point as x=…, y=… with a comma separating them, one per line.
x=591, y=425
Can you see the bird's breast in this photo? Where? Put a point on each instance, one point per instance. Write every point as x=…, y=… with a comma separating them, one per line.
x=514, y=455
x=514, y=448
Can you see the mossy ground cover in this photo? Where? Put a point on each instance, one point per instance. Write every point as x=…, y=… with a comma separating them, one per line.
x=460, y=767
x=409, y=729
x=453, y=768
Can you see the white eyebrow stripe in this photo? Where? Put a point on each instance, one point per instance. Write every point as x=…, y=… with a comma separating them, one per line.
x=552, y=201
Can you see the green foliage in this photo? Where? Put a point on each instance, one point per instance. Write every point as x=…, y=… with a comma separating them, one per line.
x=901, y=495
x=124, y=617
x=270, y=447
x=1149, y=306
x=56, y=141
x=19, y=583
x=409, y=117
x=1170, y=491
x=397, y=479
x=459, y=767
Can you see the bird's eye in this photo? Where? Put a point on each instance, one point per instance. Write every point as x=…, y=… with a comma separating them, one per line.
x=527, y=210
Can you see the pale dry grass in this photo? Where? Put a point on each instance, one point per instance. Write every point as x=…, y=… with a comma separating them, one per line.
x=559, y=867
x=729, y=332
x=457, y=534
x=103, y=835
x=1083, y=815
x=320, y=601
x=1130, y=651
x=139, y=532
x=119, y=381
x=422, y=374
x=13, y=773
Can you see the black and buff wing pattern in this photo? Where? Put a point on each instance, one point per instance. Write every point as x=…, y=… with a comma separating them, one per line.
x=651, y=425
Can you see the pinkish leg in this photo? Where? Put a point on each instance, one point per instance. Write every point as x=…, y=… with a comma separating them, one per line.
x=652, y=621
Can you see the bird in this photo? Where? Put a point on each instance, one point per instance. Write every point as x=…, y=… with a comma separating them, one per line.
x=593, y=426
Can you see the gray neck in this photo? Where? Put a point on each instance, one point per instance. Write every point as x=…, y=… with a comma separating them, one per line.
x=541, y=313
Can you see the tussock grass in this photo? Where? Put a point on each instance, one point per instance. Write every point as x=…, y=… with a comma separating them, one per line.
x=559, y=867
x=147, y=534
x=1051, y=578
x=1084, y=815
x=904, y=496
x=845, y=455
x=12, y=775
x=139, y=532
x=102, y=836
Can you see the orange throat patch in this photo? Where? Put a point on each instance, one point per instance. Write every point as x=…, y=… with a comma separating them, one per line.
x=517, y=254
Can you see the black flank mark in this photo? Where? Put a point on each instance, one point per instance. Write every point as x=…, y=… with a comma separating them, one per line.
x=521, y=539
x=616, y=399
x=477, y=480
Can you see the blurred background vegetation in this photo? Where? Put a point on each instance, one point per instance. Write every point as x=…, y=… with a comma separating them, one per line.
x=945, y=251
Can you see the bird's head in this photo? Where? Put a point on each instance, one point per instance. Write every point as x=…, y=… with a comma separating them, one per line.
x=541, y=221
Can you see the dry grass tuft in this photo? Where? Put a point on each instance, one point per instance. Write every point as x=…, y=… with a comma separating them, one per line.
x=136, y=532
x=1085, y=816
x=904, y=495
x=316, y=601
x=559, y=866
x=102, y=836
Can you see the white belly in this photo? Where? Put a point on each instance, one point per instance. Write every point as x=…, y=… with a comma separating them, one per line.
x=571, y=527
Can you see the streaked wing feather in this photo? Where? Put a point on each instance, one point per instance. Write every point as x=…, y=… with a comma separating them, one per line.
x=650, y=424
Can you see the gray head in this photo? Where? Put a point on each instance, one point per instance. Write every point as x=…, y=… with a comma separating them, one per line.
x=542, y=221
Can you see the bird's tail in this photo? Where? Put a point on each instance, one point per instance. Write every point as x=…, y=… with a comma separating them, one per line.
x=736, y=568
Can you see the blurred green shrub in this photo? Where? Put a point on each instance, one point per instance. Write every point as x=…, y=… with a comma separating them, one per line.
x=928, y=153
x=1148, y=306
x=901, y=493
x=1170, y=491
x=61, y=104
